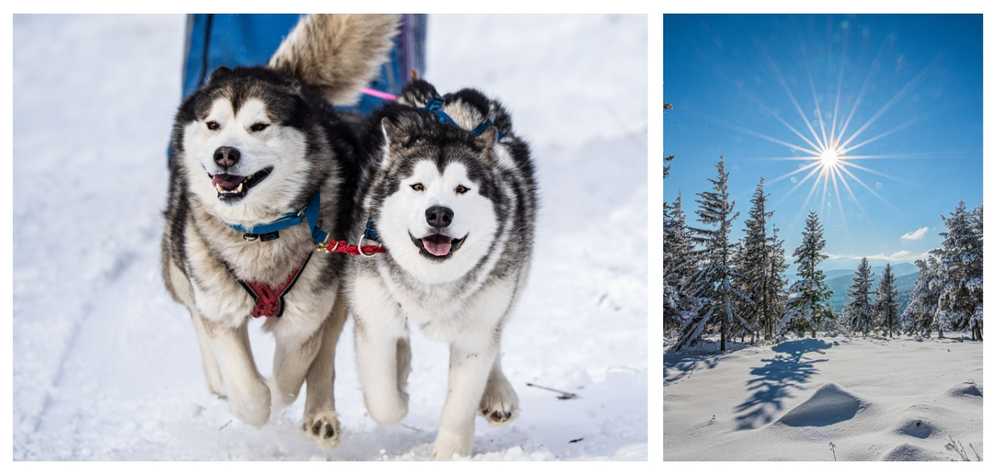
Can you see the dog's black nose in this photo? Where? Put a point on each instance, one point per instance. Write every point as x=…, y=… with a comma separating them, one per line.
x=226, y=157
x=439, y=216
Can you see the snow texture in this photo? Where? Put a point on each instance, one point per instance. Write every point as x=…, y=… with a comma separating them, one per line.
x=107, y=367
x=825, y=399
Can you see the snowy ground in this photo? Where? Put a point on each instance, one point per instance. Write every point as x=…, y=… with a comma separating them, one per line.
x=106, y=367
x=816, y=399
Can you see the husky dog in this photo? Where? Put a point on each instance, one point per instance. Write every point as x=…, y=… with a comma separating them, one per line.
x=262, y=169
x=450, y=194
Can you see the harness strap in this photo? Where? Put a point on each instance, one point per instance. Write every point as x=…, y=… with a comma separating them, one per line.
x=270, y=301
x=344, y=247
x=269, y=231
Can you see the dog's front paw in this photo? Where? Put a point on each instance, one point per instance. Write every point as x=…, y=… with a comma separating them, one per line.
x=499, y=404
x=323, y=427
x=449, y=445
x=251, y=404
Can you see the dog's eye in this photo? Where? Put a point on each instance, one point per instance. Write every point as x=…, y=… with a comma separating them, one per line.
x=212, y=125
x=417, y=186
x=257, y=127
x=461, y=189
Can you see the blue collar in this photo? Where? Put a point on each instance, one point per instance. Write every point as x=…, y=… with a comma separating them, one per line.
x=269, y=231
x=436, y=106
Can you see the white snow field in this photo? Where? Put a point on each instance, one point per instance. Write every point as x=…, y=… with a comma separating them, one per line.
x=824, y=399
x=107, y=367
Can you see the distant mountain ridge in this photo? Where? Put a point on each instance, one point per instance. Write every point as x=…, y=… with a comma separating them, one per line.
x=841, y=285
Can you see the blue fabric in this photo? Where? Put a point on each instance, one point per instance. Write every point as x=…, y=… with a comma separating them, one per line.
x=436, y=106
x=231, y=40
x=310, y=215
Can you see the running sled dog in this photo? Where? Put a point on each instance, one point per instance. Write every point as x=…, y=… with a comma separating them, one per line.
x=262, y=171
x=450, y=193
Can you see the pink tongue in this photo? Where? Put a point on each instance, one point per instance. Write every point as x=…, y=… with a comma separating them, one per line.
x=439, y=249
x=228, y=182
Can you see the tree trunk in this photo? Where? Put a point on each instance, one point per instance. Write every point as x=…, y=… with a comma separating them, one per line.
x=722, y=335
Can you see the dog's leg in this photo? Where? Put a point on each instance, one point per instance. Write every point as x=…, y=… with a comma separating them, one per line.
x=208, y=362
x=378, y=329
x=292, y=357
x=469, y=368
x=249, y=397
x=499, y=404
x=320, y=417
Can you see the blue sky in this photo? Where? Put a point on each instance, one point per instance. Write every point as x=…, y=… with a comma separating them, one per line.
x=731, y=80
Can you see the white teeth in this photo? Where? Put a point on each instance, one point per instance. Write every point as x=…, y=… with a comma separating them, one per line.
x=239, y=189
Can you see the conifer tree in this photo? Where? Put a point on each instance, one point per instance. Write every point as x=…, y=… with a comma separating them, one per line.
x=754, y=260
x=961, y=256
x=717, y=212
x=807, y=306
x=859, y=306
x=918, y=317
x=679, y=266
x=887, y=302
x=775, y=296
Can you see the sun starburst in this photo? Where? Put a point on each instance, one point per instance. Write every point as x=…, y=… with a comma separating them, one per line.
x=829, y=144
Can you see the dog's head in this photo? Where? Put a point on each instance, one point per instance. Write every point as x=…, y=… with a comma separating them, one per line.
x=436, y=197
x=249, y=139
x=253, y=143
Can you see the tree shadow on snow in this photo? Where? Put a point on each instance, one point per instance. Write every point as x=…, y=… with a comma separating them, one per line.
x=771, y=383
x=678, y=365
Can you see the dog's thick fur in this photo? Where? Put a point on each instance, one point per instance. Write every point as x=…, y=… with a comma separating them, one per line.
x=461, y=293
x=278, y=119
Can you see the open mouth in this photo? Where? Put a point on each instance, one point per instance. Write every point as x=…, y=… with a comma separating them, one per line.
x=235, y=187
x=438, y=246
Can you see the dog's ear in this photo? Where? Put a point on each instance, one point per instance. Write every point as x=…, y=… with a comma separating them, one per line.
x=487, y=139
x=395, y=132
x=339, y=54
x=219, y=73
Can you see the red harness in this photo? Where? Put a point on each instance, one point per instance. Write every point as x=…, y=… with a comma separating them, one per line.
x=269, y=301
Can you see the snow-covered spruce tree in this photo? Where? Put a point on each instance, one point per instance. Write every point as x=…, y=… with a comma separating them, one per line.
x=961, y=256
x=754, y=260
x=807, y=307
x=887, y=303
x=918, y=317
x=680, y=265
x=858, y=311
x=715, y=279
x=775, y=296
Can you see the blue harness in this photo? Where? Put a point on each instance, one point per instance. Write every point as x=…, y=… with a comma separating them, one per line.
x=309, y=214
x=436, y=107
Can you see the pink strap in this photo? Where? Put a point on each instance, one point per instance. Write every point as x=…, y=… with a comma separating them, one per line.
x=379, y=94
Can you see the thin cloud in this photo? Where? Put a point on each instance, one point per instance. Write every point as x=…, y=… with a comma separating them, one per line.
x=898, y=256
x=915, y=235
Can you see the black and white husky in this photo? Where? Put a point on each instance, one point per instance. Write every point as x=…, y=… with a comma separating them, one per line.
x=262, y=170
x=450, y=194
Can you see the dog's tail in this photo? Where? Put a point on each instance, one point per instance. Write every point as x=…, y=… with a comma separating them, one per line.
x=339, y=54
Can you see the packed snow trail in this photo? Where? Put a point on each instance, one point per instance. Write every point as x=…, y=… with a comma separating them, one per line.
x=816, y=399
x=107, y=367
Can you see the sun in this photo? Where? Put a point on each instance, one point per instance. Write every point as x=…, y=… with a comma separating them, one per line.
x=829, y=157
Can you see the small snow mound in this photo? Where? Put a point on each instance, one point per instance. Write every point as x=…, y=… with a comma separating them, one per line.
x=908, y=453
x=829, y=405
x=966, y=389
x=918, y=428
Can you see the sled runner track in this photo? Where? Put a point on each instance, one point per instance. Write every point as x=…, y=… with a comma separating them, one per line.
x=119, y=267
